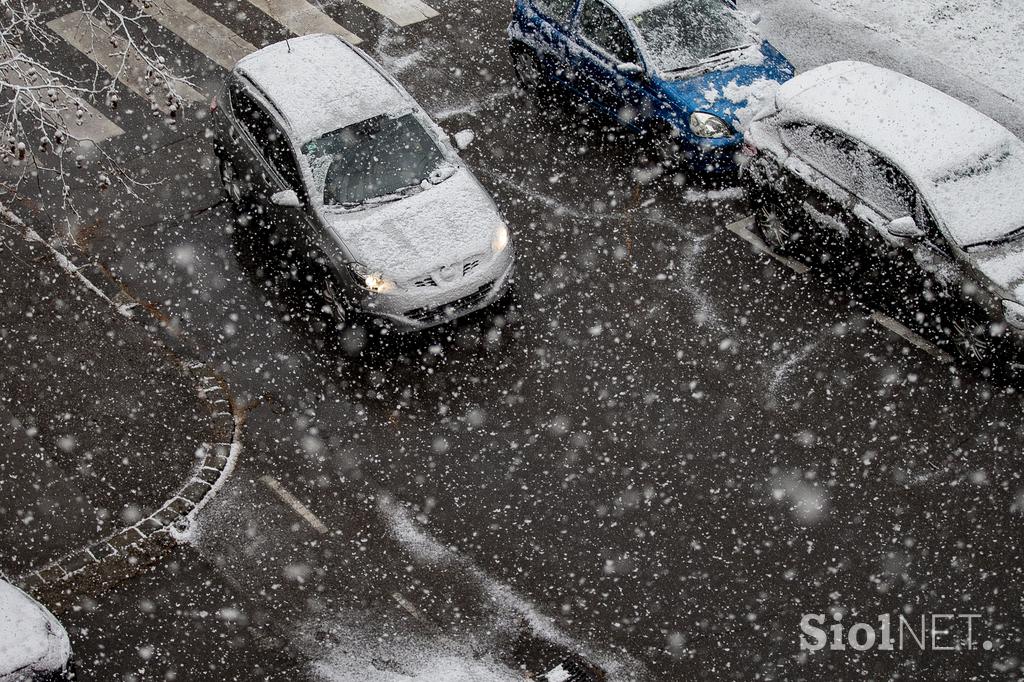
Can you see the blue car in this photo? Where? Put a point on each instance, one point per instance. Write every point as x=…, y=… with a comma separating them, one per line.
x=687, y=74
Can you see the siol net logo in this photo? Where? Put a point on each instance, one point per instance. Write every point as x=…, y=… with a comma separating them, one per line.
x=929, y=632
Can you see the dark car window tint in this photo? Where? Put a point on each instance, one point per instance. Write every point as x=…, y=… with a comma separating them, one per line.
x=269, y=138
x=604, y=28
x=555, y=9
x=830, y=153
x=249, y=113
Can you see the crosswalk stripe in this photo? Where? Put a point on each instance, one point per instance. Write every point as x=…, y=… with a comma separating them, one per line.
x=92, y=39
x=301, y=18
x=93, y=127
x=200, y=30
x=402, y=12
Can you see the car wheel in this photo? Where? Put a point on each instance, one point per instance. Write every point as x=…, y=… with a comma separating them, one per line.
x=232, y=183
x=335, y=304
x=528, y=70
x=776, y=231
x=971, y=339
x=666, y=148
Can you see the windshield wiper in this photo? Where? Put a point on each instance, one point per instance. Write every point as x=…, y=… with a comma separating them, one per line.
x=722, y=53
x=1011, y=236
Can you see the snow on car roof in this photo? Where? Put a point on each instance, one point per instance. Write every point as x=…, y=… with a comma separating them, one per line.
x=30, y=638
x=967, y=166
x=320, y=83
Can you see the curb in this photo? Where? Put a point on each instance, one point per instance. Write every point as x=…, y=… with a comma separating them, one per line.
x=129, y=551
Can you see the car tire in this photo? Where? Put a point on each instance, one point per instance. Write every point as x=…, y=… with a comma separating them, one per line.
x=970, y=339
x=234, y=190
x=665, y=145
x=528, y=71
x=774, y=228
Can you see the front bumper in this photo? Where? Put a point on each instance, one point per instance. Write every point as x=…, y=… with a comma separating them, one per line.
x=469, y=299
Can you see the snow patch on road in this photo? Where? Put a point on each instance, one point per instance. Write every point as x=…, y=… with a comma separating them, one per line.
x=513, y=609
x=368, y=652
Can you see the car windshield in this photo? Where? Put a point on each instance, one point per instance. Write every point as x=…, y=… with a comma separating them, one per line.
x=380, y=158
x=680, y=34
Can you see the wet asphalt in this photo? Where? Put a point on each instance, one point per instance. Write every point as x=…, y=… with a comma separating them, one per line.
x=666, y=447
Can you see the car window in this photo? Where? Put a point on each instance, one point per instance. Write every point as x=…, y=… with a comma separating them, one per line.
x=680, y=34
x=380, y=158
x=882, y=186
x=267, y=135
x=558, y=10
x=600, y=25
x=830, y=153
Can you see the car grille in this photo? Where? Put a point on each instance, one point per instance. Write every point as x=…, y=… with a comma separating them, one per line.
x=450, y=273
x=449, y=309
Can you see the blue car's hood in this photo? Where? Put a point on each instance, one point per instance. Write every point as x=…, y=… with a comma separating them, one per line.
x=728, y=91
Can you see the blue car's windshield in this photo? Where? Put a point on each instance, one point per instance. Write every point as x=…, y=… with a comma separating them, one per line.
x=683, y=33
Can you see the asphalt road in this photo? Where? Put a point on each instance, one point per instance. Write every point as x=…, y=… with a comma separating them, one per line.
x=665, y=451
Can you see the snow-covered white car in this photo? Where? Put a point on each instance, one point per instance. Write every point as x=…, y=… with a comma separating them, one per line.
x=910, y=188
x=33, y=645
x=335, y=155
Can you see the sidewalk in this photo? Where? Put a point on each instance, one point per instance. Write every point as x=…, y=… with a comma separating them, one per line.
x=100, y=424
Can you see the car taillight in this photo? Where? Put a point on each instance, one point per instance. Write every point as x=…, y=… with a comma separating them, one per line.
x=213, y=104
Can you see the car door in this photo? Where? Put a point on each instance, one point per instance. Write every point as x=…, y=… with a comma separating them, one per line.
x=269, y=162
x=547, y=29
x=817, y=193
x=601, y=42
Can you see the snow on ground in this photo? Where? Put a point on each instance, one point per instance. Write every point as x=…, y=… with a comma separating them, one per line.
x=981, y=38
x=368, y=654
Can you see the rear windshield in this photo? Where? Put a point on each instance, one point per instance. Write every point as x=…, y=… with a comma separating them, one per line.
x=377, y=158
x=683, y=33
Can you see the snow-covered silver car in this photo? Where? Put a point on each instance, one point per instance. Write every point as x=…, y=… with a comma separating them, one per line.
x=918, y=192
x=33, y=645
x=334, y=153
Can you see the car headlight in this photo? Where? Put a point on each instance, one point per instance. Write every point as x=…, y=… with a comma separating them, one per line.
x=709, y=125
x=500, y=239
x=373, y=281
x=1013, y=312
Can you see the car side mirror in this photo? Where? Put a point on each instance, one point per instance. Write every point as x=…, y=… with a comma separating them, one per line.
x=464, y=138
x=629, y=69
x=286, y=199
x=905, y=228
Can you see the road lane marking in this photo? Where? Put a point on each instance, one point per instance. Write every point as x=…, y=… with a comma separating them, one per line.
x=200, y=30
x=93, y=127
x=912, y=337
x=301, y=18
x=409, y=607
x=92, y=39
x=296, y=505
x=402, y=12
x=742, y=229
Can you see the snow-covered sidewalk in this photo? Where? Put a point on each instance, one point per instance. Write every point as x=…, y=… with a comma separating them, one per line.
x=970, y=49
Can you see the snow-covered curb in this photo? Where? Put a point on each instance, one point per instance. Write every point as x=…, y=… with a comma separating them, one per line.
x=123, y=552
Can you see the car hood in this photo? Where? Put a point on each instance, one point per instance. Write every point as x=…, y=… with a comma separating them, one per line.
x=1003, y=266
x=735, y=91
x=31, y=639
x=420, y=233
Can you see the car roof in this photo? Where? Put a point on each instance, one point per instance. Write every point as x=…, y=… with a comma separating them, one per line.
x=320, y=83
x=943, y=145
